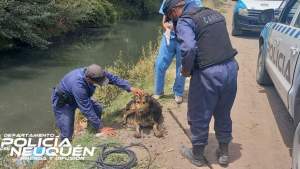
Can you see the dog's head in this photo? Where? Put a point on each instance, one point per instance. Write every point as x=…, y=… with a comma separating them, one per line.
x=143, y=103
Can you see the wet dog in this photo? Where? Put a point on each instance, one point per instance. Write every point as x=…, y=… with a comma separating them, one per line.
x=144, y=111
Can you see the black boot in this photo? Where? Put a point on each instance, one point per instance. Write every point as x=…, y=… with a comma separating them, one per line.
x=194, y=155
x=222, y=154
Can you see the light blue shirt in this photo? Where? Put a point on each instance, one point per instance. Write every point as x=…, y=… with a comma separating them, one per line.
x=198, y=3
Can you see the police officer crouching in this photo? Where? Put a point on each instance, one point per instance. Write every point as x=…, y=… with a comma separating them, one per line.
x=208, y=57
x=75, y=91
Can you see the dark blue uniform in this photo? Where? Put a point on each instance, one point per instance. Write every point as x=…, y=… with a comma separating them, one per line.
x=80, y=92
x=213, y=88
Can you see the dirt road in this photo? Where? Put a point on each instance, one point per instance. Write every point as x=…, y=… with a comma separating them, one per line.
x=262, y=128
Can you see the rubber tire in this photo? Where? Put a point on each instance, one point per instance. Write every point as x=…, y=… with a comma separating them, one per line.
x=262, y=76
x=235, y=29
x=296, y=148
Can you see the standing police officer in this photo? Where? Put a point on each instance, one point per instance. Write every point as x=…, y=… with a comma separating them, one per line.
x=75, y=91
x=208, y=57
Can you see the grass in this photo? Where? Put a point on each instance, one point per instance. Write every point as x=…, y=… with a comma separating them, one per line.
x=216, y=4
x=140, y=75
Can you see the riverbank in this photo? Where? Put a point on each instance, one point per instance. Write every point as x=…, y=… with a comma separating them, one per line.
x=139, y=75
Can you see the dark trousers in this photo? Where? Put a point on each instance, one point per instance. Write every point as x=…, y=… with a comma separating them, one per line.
x=212, y=93
x=64, y=116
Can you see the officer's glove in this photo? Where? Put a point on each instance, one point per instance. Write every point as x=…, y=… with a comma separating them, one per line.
x=137, y=91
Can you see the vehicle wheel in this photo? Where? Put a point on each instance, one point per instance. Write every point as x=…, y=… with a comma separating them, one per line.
x=296, y=149
x=236, y=31
x=262, y=76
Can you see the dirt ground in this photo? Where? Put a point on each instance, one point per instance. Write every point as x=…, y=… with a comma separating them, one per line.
x=262, y=127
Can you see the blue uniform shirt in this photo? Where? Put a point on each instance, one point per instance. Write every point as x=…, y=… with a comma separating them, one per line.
x=186, y=38
x=75, y=85
x=198, y=3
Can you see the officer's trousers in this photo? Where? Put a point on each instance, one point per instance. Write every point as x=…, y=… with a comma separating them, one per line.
x=212, y=93
x=64, y=116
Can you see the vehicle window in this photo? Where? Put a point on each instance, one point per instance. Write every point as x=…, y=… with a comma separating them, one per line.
x=282, y=5
x=290, y=14
x=280, y=9
x=297, y=23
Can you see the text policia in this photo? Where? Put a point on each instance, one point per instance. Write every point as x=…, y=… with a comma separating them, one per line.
x=45, y=147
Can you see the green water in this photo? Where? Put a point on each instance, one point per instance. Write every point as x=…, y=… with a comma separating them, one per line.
x=27, y=76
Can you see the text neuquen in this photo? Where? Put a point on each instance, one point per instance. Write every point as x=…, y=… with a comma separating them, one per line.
x=50, y=147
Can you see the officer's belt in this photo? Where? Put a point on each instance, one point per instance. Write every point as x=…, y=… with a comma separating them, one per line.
x=63, y=97
x=198, y=67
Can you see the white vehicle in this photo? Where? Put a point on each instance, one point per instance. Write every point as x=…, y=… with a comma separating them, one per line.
x=279, y=63
x=246, y=12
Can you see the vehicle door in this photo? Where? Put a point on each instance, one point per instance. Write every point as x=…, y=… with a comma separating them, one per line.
x=284, y=50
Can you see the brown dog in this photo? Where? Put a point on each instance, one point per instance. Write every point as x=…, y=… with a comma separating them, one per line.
x=144, y=111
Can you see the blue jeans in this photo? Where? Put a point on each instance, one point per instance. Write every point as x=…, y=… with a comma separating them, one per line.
x=163, y=61
x=212, y=93
x=64, y=116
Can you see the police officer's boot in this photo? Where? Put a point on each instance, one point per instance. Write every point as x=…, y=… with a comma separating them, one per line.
x=194, y=155
x=222, y=154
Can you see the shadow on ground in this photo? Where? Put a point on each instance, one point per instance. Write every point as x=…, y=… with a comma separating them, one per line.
x=210, y=149
x=249, y=35
x=210, y=152
x=283, y=119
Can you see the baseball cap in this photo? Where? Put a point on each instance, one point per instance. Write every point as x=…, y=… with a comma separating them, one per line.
x=96, y=73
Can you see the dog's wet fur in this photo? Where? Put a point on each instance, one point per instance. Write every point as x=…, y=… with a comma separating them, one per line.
x=144, y=111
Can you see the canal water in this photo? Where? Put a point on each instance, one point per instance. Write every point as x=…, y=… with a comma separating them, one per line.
x=27, y=76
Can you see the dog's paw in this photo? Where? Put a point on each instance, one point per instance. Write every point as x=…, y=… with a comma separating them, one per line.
x=158, y=134
x=137, y=135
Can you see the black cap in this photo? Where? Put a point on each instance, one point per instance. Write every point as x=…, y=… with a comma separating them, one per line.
x=169, y=4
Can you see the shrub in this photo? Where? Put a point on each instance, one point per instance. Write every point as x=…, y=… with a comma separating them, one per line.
x=25, y=20
x=34, y=22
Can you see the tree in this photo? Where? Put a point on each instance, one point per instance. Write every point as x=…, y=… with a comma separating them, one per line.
x=26, y=20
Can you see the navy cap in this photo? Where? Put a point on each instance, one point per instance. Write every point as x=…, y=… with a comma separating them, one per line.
x=169, y=4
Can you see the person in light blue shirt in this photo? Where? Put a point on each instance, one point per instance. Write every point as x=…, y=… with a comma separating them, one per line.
x=168, y=49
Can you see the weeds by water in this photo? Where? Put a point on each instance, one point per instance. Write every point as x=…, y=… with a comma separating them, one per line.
x=139, y=75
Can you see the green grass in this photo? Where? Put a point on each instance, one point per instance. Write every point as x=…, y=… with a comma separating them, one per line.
x=140, y=75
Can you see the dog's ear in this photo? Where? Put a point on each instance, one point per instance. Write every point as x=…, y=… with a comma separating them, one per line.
x=150, y=99
x=146, y=98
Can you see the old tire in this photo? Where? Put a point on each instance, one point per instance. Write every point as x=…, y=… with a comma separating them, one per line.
x=296, y=148
x=262, y=76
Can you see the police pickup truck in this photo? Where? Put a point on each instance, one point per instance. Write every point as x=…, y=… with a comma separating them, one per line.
x=279, y=63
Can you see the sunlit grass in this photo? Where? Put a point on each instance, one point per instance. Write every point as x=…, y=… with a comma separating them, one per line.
x=140, y=75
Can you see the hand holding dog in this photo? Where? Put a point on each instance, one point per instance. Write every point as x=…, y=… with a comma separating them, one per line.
x=137, y=91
